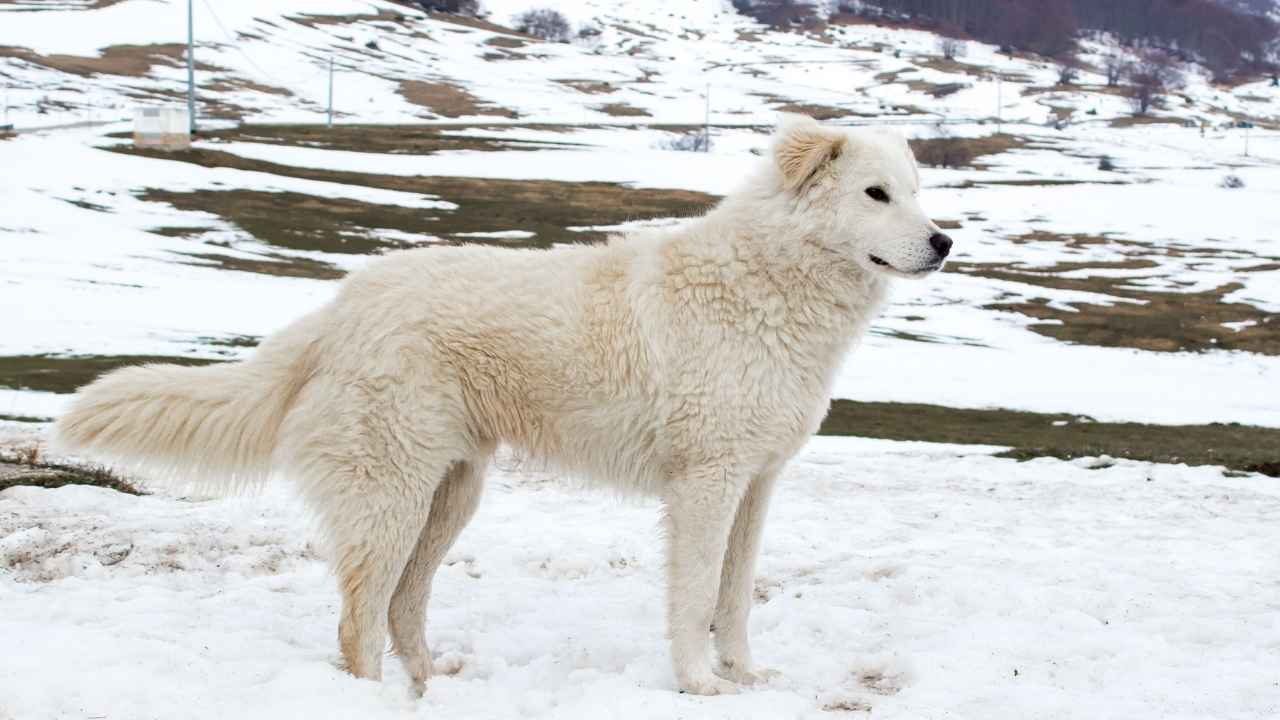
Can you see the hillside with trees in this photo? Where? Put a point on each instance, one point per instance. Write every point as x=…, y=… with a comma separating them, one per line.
x=1229, y=37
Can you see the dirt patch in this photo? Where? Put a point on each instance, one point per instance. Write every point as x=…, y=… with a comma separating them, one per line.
x=302, y=222
x=1239, y=447
x=126, y=60
x=447, y=100
x=620, y=109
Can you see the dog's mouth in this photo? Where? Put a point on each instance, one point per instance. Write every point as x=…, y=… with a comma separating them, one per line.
x=916, y=273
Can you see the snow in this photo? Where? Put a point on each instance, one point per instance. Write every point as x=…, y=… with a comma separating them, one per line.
x=912, y=579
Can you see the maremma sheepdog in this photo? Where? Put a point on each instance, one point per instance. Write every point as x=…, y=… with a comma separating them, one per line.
x=688, y=363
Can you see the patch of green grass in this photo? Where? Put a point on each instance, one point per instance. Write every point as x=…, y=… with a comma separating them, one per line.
x=1238, y=447
x=295, y=221
x=66, y=373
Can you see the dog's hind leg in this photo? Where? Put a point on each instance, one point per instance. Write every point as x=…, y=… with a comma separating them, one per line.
x=373, y=491
x=699, y=509
x=372, y=539
x=454, y=503
x=733, y=608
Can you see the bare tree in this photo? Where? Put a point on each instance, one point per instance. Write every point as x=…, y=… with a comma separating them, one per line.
x=1114, y=66
x=544, y=23
x=951, y=48
x=1154, y=74
x=1067, y=74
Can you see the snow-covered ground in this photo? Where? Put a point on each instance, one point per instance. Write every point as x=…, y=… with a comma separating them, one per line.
x=908, y=580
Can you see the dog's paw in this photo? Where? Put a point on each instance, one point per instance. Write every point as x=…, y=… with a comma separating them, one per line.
x=709, y=684
x=755, y=676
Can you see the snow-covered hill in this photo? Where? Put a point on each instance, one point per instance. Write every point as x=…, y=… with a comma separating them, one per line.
x=652, y=60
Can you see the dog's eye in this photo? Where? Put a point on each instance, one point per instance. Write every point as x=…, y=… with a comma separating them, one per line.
x=878, y=194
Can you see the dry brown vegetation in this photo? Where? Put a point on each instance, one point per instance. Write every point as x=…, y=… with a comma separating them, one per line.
x=507, y=42
x=313, y=21
x=126, y=60
x=1147, y=319
x=950, y=152
x=65, y=373
x=1238, y=447
x=817, y=112
x=37, y=5
x=545, y=207
x=590, y=87
x=448, y=100
x=24, y=466
x=400, y=139
x=621, y=109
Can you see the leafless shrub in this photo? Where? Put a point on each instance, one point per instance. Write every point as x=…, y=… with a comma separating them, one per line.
x=1232, y=182
x=1115, y=68
x=544, y=23
x=952, y=48
x=698, y=141
x=1067, y=74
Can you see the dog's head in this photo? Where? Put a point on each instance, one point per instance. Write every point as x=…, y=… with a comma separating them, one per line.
x=864, y=183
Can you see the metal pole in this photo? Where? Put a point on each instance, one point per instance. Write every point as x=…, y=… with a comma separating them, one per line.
x=999, y=100
x=191, y=70
x=329, y=123
x=706, y=123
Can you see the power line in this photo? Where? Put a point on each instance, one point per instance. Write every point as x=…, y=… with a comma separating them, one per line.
x=235, y=44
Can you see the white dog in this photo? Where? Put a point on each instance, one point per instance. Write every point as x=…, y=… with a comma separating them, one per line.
x=689, y=363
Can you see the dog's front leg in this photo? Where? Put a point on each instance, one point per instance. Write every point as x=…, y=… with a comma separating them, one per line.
x=733, y=608
x=700, y=509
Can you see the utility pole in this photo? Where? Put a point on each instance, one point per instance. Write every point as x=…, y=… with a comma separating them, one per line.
x=706, y=123
x=329, y=123
x=191, y=70
x=999, y=100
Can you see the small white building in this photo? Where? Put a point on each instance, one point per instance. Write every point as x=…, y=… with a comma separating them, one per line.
x=166, y=127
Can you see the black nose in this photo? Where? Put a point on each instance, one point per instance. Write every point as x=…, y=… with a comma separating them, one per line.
x=941, y=243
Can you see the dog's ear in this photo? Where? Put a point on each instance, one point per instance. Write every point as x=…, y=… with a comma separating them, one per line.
x=802, y=147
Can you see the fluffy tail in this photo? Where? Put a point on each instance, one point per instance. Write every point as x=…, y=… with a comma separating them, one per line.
x=216, y=424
